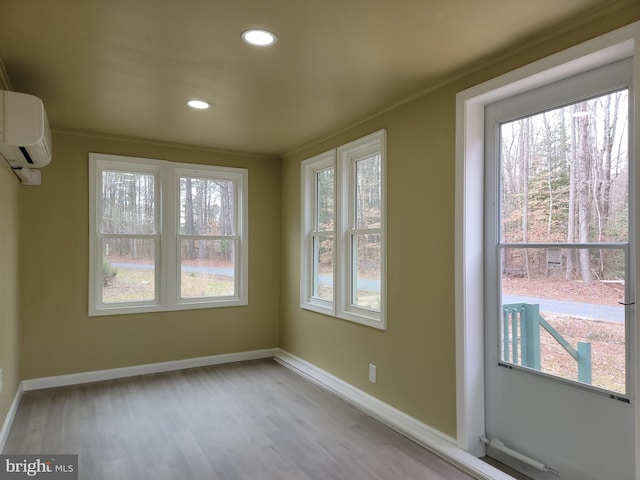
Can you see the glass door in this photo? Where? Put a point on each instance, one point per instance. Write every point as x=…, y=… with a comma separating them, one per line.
x=558, y=279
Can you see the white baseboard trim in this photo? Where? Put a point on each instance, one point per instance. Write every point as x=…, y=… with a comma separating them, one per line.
x=432, y=439
x=113, y=373
x=11, y=415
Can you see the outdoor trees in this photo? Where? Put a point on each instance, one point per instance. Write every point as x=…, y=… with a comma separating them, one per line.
x=564, y=233
x=129, y=208
x=368, y=213
x=564, y=180
x=206, y=208
x=346, y=227
x=165, y=235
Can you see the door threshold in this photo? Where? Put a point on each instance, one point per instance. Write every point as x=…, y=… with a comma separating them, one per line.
x=503, y=468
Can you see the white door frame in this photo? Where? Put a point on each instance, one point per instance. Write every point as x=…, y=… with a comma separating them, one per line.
x=469, y=211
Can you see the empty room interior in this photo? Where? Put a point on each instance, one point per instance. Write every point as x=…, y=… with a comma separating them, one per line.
x=298, y=280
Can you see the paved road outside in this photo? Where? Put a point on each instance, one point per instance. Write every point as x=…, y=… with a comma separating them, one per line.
x=592, y=311
x=223, y=272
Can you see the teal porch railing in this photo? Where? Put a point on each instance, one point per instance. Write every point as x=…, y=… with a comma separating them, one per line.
x=524, y=320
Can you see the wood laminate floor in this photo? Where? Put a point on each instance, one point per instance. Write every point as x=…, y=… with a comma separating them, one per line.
x=250, y=420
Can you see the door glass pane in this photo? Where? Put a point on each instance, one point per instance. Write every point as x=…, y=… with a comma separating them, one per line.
x=564, y=173
x=323, y=264
x=128, y=203
x=207, y=268
x=368, y=192
x=366, y=281
x=206, y=207
x=557, y=322
x=564, y=180
x=325, y=200
x=128, y=270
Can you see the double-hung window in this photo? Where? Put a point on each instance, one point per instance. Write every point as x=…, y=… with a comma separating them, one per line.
x=343, y=232
x=165, y=236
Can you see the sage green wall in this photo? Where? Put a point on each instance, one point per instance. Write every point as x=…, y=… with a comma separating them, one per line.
x=415, y=357
x=57, y=335
x=9, y=312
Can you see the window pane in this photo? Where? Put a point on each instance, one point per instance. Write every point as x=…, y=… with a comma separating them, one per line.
x=207, y=268
x=128, y=270
x=366, y=287
x=564, y=173
x=545, y=286
x=206, y=207
x=128, y=203
x=368, y=192
x=324, y=201
x=323, y=264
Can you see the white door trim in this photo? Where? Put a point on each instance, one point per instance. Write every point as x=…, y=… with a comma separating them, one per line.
x=469, y=211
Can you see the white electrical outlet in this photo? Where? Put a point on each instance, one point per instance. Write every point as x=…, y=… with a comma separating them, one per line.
x=373, y=373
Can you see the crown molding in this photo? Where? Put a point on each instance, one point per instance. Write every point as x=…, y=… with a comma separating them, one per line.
x=622, y=9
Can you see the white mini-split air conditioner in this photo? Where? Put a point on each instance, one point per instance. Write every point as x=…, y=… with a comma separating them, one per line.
x=25, y=136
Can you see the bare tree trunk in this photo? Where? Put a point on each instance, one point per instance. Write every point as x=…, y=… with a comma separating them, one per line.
x=549, y=174
x=201, y=187
x=191, y=248
x=524, y=147
x=610, y=115
x=571, y=220
x=584, y=172
x=226, y=208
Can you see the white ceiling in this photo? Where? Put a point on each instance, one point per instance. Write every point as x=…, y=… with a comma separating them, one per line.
x=126, y=67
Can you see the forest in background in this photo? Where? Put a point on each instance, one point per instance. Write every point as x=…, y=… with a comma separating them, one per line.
x=564, y=179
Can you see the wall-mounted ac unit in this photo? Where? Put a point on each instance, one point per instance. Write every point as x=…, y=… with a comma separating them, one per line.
x=25, y=136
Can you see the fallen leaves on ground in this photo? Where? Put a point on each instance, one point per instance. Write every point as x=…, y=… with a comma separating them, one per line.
x=608, y=358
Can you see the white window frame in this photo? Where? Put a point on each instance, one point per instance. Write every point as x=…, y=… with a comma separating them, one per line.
x=343, y=159
x=310, y=169
x=167, y=257
x=469, y=301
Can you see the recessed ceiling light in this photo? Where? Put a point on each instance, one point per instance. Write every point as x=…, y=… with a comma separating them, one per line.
x=199, y=104
x=261, y=38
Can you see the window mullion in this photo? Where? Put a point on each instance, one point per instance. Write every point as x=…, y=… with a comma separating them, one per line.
x=169, y=247
x=343, y=223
